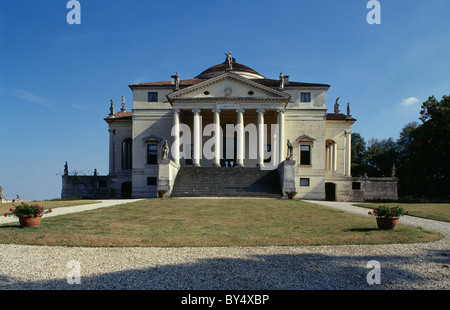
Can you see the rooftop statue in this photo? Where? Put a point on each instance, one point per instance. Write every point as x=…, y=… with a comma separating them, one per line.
x=336, y=106
x=281, y=81
x=111, y=109
x=123, y=105
x=229, y=61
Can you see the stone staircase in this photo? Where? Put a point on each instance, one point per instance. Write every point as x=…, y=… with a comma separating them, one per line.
x=226, y=182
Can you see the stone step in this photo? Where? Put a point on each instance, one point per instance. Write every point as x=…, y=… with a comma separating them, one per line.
x=226, y=182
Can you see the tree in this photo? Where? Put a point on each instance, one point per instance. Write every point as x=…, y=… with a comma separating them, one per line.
x=405, y=153
x=381, y=157
x=420, y=154
x=359, y=154
x=430, y=150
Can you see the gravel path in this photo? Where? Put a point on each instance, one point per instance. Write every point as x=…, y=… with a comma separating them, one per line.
x=402, y=266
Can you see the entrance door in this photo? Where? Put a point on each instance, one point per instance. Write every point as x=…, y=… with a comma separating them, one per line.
x=229, y=161
x=126, y=190
x=330, y=191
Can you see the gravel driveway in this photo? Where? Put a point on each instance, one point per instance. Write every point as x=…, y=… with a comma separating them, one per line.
x=401, y=266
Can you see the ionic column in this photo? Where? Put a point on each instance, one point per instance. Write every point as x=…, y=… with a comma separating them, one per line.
x=335, y=156
x=197, y=138
x=260, y=137
x=217, y=137
x=176, y=134
x=328, y=161
x=240, y=138
x=348, y=153
x=281, y=142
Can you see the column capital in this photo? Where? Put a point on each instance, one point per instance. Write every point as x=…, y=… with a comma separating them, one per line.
x=260, y=111
x=281, y=111
x=176, y=111
x=196, y=111
x=240, y=110
x=216, y=110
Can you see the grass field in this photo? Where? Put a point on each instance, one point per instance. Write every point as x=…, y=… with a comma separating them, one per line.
x=434, y=211
x=211, y=222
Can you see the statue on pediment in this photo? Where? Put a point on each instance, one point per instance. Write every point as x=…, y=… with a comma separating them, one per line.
x=229, y=61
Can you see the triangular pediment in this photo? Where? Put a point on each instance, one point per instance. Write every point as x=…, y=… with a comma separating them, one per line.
x=228, y=86
x=305, y=138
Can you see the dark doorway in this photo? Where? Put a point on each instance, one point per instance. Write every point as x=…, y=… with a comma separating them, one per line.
x=126, y=190
x=330, y=191
x=229, y=161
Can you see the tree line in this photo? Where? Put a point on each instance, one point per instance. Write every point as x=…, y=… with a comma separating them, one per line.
x=419, y=157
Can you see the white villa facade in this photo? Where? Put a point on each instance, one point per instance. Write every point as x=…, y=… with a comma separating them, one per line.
x=263, y=124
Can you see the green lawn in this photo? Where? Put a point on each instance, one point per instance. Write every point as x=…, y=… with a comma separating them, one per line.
x=434, y=211
x=211, y=222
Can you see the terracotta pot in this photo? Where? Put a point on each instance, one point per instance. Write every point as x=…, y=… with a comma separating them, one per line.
x=387, y=222
x=162, y=195
x=291, y=196
x=29, y=221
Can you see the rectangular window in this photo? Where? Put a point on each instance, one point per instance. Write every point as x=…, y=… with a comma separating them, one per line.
x=152, y=97
x=152, y=154
x=151, y=181
x=305, y=97
x=356, y=185
x=305, y=155
x=304, y=182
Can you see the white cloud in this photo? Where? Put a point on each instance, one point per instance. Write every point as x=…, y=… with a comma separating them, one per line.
x=19, y=93
x=411, y=101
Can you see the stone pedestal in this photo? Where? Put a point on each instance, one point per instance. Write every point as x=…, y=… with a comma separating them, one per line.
x=286, y=171
x=167, y=173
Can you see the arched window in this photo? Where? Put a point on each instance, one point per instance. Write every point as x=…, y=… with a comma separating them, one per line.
x=127, y=158
x=331, y=155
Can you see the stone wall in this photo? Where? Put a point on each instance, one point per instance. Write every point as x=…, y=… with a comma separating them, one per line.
x=92, y=187
x=374, y=188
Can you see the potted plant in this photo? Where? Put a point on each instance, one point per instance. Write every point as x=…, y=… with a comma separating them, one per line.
x=291, y=194
x=162, y=193
x=29, y=215
x=387, y=217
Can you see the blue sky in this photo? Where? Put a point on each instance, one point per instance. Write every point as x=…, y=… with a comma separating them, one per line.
x=56, y=79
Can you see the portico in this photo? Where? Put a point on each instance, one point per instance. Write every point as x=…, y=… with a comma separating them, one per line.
x=256, y=112
x=228, y=136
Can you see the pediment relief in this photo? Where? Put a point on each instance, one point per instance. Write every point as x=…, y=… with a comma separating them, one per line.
x=228, y=86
